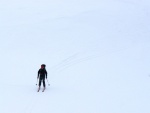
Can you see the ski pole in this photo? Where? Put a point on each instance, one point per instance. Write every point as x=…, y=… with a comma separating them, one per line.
x=48, y=82
x=37, y=81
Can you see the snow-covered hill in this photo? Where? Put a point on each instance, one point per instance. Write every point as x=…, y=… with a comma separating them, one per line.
x=96, y=52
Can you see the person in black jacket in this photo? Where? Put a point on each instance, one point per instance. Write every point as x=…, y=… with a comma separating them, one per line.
x=42, y=73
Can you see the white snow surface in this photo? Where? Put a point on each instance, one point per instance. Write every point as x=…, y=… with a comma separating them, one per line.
x=97, y=54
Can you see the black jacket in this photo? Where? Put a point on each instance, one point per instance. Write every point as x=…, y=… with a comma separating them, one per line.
x=42, y=73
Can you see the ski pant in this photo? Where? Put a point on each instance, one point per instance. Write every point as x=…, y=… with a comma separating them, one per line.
x=42, y=80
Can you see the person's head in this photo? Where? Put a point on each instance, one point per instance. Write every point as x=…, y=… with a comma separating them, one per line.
x=43, y=66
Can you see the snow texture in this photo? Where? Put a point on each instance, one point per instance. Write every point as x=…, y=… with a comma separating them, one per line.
x=97, y=54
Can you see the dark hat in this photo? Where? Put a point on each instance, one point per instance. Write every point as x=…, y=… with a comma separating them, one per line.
x=43, y=65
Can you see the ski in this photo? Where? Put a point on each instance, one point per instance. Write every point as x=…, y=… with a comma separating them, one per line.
x=38, y=90
x=43, y=90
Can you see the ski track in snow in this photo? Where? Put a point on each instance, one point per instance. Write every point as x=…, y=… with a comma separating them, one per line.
x=83, y=57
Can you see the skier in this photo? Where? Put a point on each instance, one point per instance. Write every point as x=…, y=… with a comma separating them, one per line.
x=42, y=73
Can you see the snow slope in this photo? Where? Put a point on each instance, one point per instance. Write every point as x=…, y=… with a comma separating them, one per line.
x=96, y=52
